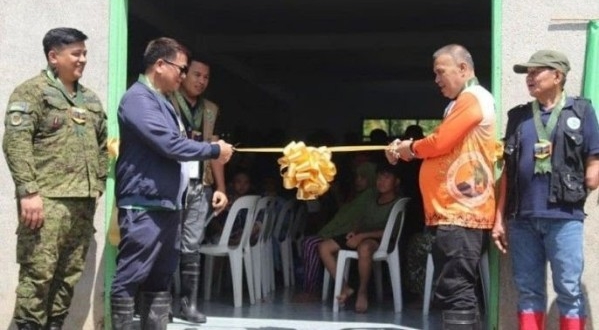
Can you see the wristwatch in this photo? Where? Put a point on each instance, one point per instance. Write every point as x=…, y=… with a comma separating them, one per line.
x=412, y=154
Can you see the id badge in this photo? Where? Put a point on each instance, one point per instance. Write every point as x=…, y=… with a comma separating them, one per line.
x=542, y=149
x=194, y=169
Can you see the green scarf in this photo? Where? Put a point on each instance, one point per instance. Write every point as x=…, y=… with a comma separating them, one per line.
x=193, y=118
x=543, y=163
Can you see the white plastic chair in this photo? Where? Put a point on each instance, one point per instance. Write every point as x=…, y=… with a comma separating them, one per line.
x=281, y=233
x=239, y=255
x=483, y=268
x=265, y=210
x=299, y=228
x=391, y=235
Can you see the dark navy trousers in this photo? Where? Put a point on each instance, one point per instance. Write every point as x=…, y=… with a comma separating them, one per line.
x=148, y=252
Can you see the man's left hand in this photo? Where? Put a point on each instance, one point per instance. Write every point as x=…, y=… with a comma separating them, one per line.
x=403, y=148
x=219, y=201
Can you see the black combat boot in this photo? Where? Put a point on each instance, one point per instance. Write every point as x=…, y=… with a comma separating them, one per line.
x=29, y=326
x=461, y=320
x=190, y=277
x=154, y=310
x=55, y=322
x=122, y=313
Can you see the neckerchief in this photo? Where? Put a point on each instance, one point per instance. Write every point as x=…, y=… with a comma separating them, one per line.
x=76, y=100
x=543, y=164
x=193, y=118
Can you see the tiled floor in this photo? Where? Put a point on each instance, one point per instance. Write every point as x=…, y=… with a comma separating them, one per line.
x=282, y=313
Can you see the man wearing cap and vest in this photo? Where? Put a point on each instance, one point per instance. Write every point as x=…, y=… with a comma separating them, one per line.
x=551, y=162
x=199, y=116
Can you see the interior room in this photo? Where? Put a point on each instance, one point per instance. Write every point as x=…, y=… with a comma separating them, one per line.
x=316, y=71
x=291, y=69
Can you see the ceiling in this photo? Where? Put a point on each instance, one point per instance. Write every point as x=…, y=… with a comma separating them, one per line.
x=289, y=49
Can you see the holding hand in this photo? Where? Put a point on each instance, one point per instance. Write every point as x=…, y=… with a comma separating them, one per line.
x=403, y=150
x=226, y=151
x=391, y=152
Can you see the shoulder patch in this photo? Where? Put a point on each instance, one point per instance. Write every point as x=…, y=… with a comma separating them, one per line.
x=18, y=107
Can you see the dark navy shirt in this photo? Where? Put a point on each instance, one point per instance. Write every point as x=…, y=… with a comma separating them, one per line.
x=534, y=188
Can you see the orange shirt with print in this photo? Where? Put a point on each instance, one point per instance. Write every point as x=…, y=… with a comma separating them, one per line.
x=456, y=176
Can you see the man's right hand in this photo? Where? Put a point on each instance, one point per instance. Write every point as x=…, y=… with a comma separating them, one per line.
x=226, y=151
x=32, y=211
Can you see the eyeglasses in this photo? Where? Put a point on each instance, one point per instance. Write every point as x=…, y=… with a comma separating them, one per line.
x=182, y=68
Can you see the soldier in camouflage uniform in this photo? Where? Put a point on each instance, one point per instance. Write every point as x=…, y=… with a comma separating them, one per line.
x=55, y=148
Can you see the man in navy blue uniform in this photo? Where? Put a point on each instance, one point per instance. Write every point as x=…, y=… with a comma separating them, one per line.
x=152, y=176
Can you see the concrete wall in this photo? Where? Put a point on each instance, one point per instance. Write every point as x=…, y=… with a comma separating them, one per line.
x=528, y=26
x=22, y=27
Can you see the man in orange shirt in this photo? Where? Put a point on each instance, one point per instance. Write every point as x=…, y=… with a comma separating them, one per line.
x=457, y=184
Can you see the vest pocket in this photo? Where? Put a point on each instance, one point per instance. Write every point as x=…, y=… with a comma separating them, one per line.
x=573, y=190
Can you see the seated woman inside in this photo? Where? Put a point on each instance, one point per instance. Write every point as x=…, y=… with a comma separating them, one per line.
x=365, y=236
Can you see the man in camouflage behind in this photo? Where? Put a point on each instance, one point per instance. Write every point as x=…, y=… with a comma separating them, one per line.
x=55, y=148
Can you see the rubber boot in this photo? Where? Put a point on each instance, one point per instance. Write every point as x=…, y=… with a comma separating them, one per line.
x=122, y=313
x=190, y=277
x=55, y=322
x=531, y=321
x=571, y=323
x=154, y=310
x=461, y=320
x=29, y=326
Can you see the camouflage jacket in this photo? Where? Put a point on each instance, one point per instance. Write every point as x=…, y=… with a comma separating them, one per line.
x=54, y=144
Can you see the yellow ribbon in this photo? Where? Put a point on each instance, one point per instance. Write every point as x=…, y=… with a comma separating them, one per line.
x=114, y=235
x=113, y=147
x=498, y=151
x=308, y=169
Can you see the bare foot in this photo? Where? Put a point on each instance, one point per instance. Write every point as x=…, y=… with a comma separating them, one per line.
x=362, y=303
x=346, y=292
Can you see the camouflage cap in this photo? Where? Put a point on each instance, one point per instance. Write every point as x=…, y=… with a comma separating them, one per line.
x=545, y=58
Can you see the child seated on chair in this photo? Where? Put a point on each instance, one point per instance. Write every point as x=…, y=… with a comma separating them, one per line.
x=241, y=185
x=366, y=236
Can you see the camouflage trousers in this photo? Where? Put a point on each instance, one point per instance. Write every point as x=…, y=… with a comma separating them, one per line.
x=52, y=258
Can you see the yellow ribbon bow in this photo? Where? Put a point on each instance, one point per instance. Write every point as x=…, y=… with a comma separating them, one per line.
x=308, y=169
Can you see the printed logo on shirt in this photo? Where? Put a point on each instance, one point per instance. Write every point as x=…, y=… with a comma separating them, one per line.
x=470, y=180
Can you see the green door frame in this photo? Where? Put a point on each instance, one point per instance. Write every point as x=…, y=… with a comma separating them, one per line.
x=117, y=81
x=496, y=71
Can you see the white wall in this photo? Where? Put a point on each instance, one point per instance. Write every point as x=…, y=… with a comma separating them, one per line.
x=530, y=25
x=22, y=27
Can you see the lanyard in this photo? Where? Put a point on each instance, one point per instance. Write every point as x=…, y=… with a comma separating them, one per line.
x=76, y=100
x=544, y=131
x=143, y=79
x=195, y=119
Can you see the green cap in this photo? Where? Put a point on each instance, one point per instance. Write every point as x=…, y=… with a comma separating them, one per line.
x=545, y=58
